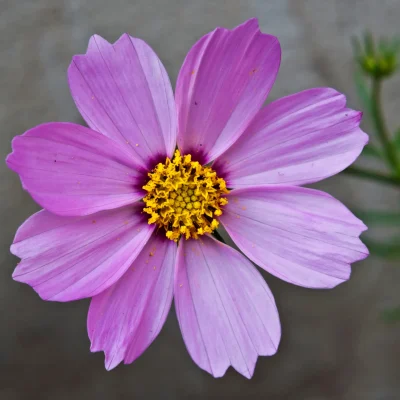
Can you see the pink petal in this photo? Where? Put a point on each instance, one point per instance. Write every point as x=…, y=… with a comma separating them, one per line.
x=300, y=235
x=69, y=258
x=72, y=170
x=298, y=139
x=226, y=311
x=123, y=91
x=125, y=319
x=222, y=84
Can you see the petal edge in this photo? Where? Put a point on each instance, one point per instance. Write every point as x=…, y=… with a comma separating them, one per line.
x=71, y=170
x=126, y=318
x=123, y=91
x=298, y=139
x=225, y=309
x=303, y=236
x=69, y=258
x=223, y=82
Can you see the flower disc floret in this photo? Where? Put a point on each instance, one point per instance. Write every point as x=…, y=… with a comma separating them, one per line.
x=184, y=197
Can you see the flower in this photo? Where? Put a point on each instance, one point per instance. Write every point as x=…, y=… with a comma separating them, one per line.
x=97, y=238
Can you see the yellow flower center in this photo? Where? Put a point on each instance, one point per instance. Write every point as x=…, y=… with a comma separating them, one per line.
x=184, y=197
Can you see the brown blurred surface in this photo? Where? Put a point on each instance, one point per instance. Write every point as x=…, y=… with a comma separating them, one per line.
x=334, y=344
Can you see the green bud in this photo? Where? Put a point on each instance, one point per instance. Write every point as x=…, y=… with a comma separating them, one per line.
x=376, y=60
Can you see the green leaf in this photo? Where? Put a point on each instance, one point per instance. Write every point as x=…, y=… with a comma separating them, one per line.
x=363, y=92
x=396, y=140
x=374, y=217
x=371, y=151
x=390, y=250
x=391, y=314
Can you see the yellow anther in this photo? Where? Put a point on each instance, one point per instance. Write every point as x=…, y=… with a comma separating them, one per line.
x=184, y=197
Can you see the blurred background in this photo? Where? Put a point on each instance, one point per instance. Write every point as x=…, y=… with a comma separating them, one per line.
x=335, y=344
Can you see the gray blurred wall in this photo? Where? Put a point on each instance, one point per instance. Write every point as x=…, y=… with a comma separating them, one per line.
x=334, y=345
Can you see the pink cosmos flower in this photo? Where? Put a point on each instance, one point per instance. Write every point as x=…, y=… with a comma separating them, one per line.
x=128, y=221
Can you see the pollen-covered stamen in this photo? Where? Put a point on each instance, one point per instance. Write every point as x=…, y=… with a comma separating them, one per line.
x=184, y=197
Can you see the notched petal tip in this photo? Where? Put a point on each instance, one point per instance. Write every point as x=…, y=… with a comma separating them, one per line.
x=363, y=227
x=250, y=23
x=110, y=363
x=66, y=259
x=123, y=91
x=248, y=374
x=9, y=160
x=16, y=275
x=214, y=314
x=94, y=40
x=366, y=252
x=57, y=163
x=124, y=36
x=19, y=276
x=92, y=49
x=11, y=157
x=304, y=236
x=327, y=140
x=127, y=317
x=75, y=60
x=215, y=119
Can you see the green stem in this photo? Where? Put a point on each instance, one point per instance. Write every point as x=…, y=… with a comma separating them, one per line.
x=218, y=236
x=381, y=127
x=376, y=176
